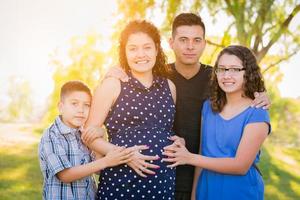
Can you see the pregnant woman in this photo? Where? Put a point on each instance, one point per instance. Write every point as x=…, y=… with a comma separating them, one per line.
x=139, y=115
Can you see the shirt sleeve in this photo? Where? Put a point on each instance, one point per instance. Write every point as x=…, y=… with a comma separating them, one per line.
x=55, y=155
x=260, y=115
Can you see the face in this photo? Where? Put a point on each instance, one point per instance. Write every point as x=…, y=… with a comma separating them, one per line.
x=141, y=53
x=74, y=108
x=188, y=44
x=230, y=74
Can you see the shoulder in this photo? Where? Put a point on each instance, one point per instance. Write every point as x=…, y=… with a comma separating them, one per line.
x=171, y=85
x=110, y=82
x=108, y=86
x=206, y=106
x=259, y=115
x=49, y=137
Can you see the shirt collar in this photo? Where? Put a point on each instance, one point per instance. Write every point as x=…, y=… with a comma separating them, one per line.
x=63, y=128
x=157, y=82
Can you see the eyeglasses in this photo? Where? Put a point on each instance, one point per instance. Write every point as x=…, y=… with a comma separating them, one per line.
x=232, y=70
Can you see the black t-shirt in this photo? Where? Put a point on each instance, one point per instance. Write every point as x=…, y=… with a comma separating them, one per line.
x=191, y=93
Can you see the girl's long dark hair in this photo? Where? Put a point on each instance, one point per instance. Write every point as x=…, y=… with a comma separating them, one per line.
x=253, y=79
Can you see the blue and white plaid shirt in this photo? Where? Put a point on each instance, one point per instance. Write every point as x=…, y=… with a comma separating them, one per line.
x=61, y=148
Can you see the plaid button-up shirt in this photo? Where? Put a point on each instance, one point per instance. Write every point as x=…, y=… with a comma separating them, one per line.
x=61, y=148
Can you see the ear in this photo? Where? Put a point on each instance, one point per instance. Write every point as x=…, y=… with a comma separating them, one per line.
x=60, y=106
x=171, y=41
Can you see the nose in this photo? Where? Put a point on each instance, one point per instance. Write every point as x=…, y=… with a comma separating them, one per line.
x=190, y=44
x=227, y=74
x=80, y=108
x=140, y=53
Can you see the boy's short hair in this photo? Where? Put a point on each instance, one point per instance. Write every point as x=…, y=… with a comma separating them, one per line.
x=187, y=19
x=72, y=86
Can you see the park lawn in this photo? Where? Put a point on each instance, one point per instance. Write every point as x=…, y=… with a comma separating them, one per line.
x=21, y=178
x=281, y=172
x=20, y=173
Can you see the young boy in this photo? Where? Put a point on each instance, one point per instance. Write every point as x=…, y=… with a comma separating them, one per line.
x=64, y=160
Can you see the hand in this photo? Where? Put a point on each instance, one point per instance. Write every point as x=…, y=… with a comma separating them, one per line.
x=118, y=73
x=176, y=154
x=90, y=133
x=261, y=100
x=118, y=156
x=138, y=162
x=177, y=139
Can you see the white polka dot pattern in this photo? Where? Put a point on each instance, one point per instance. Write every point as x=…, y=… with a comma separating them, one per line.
x=140, y=116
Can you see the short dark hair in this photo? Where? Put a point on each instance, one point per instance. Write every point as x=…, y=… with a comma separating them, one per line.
x=253, y=79
x=72, y=86
x=160, y=68
x=187, y=19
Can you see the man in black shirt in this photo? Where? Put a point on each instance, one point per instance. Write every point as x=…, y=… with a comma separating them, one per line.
x=191, y=79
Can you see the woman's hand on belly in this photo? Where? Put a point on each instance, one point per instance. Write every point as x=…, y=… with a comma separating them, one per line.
x=140, y=163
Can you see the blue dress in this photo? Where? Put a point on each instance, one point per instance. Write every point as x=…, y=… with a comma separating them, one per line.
x=140, y=116
x=221, y=138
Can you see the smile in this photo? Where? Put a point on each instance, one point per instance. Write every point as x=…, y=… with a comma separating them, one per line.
x=142, y=62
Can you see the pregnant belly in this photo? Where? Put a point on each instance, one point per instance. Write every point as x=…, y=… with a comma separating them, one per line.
x=156, y=139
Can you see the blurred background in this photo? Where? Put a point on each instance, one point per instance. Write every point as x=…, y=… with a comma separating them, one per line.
x=46, y=43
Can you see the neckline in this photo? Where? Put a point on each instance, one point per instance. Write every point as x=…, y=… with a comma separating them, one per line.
x=134, y=82
x=234, y=116
x=189, y=79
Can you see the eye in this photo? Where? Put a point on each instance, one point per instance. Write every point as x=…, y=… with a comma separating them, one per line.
x=182, y=39
x=198, y=40
x=87, y=105
x=131, y=48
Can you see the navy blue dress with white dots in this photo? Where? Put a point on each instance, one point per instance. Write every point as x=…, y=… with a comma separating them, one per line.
x=140, y=116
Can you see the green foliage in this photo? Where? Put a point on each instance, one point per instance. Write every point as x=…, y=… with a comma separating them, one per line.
x=256, y=24
x=20, y=101
x=87, y=65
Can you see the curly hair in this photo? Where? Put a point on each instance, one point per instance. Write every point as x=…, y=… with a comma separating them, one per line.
x=136, y=26
x=253, y=79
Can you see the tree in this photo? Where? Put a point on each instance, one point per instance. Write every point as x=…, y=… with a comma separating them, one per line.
x=259, y=25
x=20, y=101
x=87, y=65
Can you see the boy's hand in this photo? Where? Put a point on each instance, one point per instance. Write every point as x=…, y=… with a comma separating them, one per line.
x=118, y=156
x=90, y=133
x=118, y=73
x=139, y=161
x=261, y=100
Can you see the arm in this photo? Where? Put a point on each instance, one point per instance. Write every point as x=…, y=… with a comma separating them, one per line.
x=117, y=156
x=252, y=139
x=104, y=97
x=173, y=90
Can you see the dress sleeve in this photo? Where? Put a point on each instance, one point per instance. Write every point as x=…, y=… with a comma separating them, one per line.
x=55, y=155
x=260, y=115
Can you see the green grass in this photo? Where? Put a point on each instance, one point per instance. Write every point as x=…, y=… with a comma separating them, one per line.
x=20, y=173
x=21, y=178
x=281, y=172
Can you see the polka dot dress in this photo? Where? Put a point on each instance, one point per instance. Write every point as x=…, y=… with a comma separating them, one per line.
x=140, y=116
